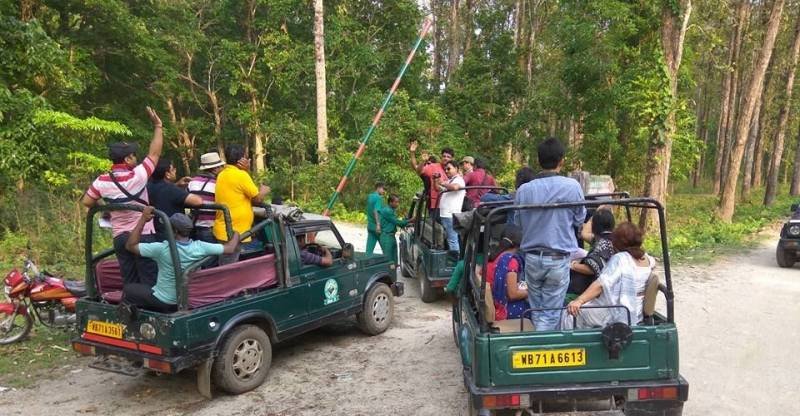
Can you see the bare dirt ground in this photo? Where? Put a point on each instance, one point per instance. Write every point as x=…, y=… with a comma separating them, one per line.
x=738, y=321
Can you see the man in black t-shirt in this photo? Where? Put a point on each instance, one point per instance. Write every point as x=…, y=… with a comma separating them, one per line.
x=167, y=197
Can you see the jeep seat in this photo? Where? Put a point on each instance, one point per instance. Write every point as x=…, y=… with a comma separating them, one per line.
x=650, y=295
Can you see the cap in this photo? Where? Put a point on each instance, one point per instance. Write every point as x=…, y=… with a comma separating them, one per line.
x=181, y=223
x=121, y=149
x=468, y=159
x=210, y=160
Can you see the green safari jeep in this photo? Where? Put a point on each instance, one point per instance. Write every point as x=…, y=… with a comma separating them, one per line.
x=229, y=316
x=509, y=368
x=423, y=252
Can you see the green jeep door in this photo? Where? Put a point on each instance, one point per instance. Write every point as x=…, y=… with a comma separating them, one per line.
x=328, y=289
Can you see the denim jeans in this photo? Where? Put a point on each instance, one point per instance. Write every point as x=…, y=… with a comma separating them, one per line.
x=547, y=280
x=450, y=232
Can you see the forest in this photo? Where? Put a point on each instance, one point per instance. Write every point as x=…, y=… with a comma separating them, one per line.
x=663, y=95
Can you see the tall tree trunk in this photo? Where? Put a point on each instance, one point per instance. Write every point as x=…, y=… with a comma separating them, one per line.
x=758, y=156
x=750, y=153
x=743, y=17
x=468, y=27
x=259, y=145
x=183, y=141
x=726, y=205
x=453, y=38
x=702, y=131
x=673, y=33
x=795, y=189
x=783, y=121
x=319, y=71
x=722, y=125
x=436, y=79
x=217, y=112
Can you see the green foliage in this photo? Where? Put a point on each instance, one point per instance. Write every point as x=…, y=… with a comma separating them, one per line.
x=695, y=233
x=91, y=126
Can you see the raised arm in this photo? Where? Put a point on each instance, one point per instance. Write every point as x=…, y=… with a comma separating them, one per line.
x=232, y=245
x=157, y=144
x=412, y=149
x=132, y=244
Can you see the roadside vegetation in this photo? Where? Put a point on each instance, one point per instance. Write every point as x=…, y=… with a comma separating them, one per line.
x=656, y=94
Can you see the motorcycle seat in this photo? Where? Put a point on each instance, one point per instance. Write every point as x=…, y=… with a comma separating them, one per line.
x=75, y=287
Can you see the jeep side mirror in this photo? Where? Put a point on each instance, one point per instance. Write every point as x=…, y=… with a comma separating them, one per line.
x=794, y=207
x=347, y=251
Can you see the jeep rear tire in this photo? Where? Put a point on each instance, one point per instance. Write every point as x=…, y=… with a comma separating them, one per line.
x=378, y=310
x=786, y=258
x=243, y=360
x=427, y=292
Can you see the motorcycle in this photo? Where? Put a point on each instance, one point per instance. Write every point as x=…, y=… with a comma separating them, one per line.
x=34, y=295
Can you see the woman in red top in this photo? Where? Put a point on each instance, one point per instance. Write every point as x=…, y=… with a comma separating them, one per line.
x=503, y=271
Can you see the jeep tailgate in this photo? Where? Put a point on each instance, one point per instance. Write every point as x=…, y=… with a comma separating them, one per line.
x=525, y=358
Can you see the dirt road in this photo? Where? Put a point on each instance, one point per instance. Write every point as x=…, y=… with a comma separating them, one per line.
x=738, y=321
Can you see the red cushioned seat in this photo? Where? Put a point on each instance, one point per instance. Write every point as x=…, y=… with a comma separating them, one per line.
x=206, y=286
x=113, y=297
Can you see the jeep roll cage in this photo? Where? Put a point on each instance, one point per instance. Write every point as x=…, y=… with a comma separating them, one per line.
x=424, y=196
x=496, y=215
x=181, y=276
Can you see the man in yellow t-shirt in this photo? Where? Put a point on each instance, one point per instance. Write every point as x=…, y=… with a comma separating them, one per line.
x=236, y=190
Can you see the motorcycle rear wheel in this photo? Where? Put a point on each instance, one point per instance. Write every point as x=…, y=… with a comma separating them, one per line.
x=14, y=328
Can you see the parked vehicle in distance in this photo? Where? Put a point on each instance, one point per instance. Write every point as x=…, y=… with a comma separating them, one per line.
x=789, y=243
x=33, y=295
x=510, y=368
x=230, y=316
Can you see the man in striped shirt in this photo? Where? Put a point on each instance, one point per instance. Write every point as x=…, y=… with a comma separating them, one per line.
x=204, y=185
x=127, y=184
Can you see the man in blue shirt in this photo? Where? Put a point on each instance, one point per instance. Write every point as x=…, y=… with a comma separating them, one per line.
x=163, y=296
x=549, y=234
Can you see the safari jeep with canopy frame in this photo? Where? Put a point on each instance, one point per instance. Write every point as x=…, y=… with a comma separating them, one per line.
x=228, y=317
x=423, y=248
x=508, y=366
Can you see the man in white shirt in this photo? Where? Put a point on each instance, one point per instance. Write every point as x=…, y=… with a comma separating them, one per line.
x=450, y=202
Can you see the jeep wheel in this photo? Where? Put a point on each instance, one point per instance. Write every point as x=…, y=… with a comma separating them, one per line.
x=654, y=408
x=427, y=292
x=786, y=258
x=243, y=360
x=378, y=310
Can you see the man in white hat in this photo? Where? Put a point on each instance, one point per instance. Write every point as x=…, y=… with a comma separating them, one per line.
x=204, y=185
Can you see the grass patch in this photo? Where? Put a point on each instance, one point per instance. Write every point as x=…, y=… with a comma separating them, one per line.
x=697, y=235
x=44, y=352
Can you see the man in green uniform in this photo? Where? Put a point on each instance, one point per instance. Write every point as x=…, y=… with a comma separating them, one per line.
x=389, y=223
x=374, y=204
